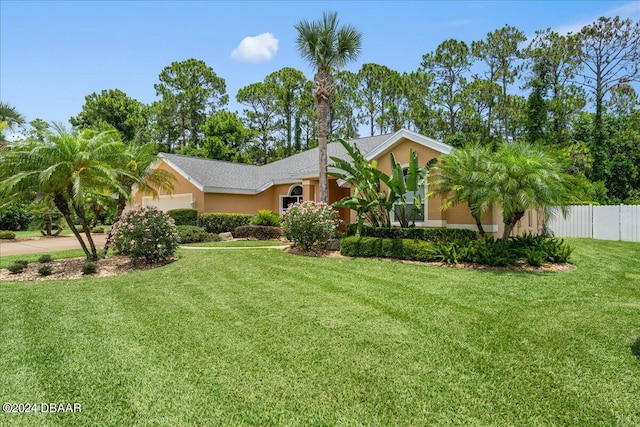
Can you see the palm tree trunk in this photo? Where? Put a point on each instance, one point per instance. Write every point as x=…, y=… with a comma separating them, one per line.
x=510, y=223
x=323, y=109
x=82, y=216
x=122, y=203
x=479, y=225
x=47, y=224
x=63, y=206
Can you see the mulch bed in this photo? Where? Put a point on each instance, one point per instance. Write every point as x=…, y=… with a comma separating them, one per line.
x=71, y=269
x=520, y=266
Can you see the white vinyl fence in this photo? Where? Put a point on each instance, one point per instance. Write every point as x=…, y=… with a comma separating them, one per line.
x=618, y=222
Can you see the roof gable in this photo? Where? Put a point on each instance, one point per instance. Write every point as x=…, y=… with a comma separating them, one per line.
x=412, y=136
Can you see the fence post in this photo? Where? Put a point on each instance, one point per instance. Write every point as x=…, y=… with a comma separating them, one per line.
x=591, y=215
x=620, y=222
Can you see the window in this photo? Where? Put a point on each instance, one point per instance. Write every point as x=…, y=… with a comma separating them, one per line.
x=412, y=212
x=295, y=195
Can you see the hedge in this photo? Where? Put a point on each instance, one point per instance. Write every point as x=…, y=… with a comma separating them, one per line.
x=427, y=234
x=215, y=222
x=15, y=218
x=260, y=232
x=193, y=234
x=7, y=235
x=405, y=249
x=184, y=216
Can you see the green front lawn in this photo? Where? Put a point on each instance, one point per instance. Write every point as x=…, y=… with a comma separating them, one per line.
x=262, y=337
x=36, y=233
x=240, y=244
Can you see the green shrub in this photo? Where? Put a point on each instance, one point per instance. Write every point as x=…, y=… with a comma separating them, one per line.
x=535, y=257
x=526, y=242
x=45, y=270
x=452, y=251
x=193, y=234
x=98, y=229
x=22, y=262
x=405, y=249
x=147, y=234
x=428, y=234
x=492, y=252
x=43, y=259
x=417, y=250
x=308, y=222
x=532, y=246
x=15, y=217
x=7, y=235
x=557, y=250
x=89, y=268
x=184, y=216
x=17, y=267
x=535, y=249
x=217, y=223
x=260, y=232
x=267, y=218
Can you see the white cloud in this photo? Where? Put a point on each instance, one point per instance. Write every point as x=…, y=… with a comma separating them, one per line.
x=256, y=49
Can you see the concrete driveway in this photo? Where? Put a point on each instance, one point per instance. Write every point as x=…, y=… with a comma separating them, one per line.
x=51, y=244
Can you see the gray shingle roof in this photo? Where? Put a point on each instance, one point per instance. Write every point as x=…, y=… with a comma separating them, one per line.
x=217, y=176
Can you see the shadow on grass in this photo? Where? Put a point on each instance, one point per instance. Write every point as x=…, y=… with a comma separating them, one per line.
x=635, y=348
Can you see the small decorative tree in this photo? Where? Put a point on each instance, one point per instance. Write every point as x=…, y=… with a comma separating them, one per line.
x=308, y=222
x=147, y=234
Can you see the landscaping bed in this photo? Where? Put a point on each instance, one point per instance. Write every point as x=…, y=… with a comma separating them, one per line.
x=71, y=269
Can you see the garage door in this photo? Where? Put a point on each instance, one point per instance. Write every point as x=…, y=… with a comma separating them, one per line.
x=166, y=203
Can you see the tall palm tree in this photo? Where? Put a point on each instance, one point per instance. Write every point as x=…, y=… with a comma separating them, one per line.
x=136, y=170
x=326, y=46
x=66, y=166
x=463, y=176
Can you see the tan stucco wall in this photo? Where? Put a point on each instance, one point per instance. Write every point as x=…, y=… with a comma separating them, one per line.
x=460, y=214
x=401, y=152
x=336, y=193
x=181, y=186
x=246, y=203
x=218, y=202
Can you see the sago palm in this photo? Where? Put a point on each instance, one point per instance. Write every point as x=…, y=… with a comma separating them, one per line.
x=66, y=166
x=326, y=46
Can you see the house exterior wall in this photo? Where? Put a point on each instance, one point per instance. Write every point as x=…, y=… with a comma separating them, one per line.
x=181, y=186
x=220, y=202
x=401, y=152
x=460, y=215
x=455, y=217
x=336, y=193
x=246, y=203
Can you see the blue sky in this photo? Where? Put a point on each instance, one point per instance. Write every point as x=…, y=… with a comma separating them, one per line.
x=54, y=53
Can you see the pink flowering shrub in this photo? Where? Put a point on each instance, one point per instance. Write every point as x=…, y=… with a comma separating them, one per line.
x=310, y=222
x=147, y=234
